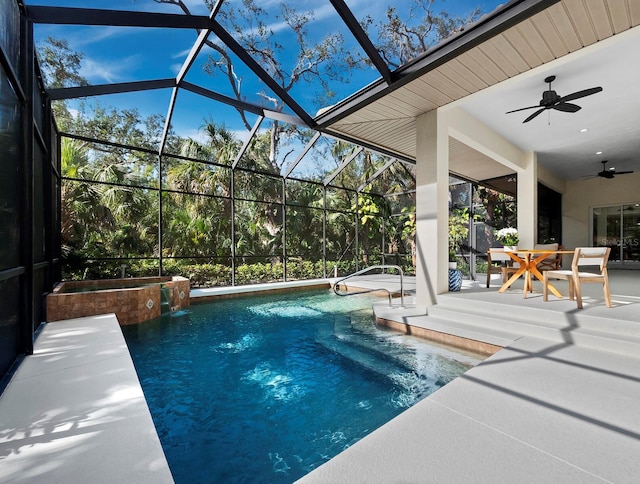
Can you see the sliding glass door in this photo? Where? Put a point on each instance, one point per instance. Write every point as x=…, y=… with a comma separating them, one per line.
x=618, y=227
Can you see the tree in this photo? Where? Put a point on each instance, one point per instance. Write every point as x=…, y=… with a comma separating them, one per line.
x=60, y=67
x=400, y=39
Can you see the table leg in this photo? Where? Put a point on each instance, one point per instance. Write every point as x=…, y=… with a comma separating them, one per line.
x=521, y=269
x=538, y=275
x=528, y=285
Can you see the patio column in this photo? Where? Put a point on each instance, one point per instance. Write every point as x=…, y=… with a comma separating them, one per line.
x=432, y=208
x=528, y=201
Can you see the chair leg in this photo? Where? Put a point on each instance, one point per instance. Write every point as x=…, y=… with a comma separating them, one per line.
x=607, y=293
x=578, y=292
x=571, y=289
x=489, y=272
x=545, y=289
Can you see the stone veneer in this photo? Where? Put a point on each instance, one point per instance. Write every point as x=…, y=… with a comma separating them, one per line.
x=131, y=305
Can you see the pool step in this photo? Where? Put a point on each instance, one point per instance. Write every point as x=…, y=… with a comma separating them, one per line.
x=344, y=340
x=383, y=353
x=608, y=334
x=499, y=324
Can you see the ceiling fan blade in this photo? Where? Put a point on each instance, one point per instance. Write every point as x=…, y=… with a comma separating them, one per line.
x=606, y=174
x=566, y=107
x=533, y=115
x=522, y=109
x=623, y=172
x=579, y=94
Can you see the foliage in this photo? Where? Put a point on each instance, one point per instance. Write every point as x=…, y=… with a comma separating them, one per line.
x=458, y=231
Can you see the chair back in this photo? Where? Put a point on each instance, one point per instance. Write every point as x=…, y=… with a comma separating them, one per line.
x=546, y=247
x=553, y=262
x=591, y=256
x=497, y=254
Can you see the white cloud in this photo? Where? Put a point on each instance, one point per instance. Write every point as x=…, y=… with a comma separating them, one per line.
x=175, y=67
x=107, y=70
x=194, y=134
x=93, y=35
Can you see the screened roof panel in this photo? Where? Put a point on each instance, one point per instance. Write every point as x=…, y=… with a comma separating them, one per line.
x=360, y=169
x=407, y=39
x=195, y=7
x=214, y=126
x=290, y=141
x=397, y=178
x=122, y=54
x=324, y=157
x=311, y=68
x=113, y=129
x=290, y=59
x=218, y=69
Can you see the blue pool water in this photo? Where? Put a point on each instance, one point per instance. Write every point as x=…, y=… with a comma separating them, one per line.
x=267, y=388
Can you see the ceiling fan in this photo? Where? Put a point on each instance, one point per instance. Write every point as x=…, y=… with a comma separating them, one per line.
x=551, y=100
x=610, y=172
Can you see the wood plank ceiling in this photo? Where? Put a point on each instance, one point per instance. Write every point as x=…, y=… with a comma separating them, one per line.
x=561, y=29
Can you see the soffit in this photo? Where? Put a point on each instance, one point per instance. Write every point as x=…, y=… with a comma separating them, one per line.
x=561, y=29
x=473, y=165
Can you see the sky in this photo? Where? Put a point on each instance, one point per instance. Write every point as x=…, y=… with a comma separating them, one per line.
x=122, y=54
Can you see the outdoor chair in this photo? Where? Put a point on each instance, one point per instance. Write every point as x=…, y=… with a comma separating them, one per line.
x=552, y=263
x=497, y=254
x=583, y=256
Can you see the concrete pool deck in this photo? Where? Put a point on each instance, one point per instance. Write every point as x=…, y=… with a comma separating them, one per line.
x=74, y=411
x=534, y=412
x=558, y=404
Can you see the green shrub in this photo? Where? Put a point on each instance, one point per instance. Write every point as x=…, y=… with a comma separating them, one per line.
x=211, y=275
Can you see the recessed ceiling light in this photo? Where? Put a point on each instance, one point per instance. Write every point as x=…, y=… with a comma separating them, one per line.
x=584, y=130
x=598, y=152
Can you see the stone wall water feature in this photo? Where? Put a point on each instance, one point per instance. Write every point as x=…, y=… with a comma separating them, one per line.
x=133, y=300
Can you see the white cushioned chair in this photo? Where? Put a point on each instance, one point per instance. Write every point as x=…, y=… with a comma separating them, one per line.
x=583, y=256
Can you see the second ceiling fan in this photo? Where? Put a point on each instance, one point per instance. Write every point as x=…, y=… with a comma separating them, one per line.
x=552, y=100
x=611, y=171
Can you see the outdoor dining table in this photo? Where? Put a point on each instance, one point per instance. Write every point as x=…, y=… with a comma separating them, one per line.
x=528, y=259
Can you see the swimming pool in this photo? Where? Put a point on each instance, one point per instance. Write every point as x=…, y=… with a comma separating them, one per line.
x=267, y=388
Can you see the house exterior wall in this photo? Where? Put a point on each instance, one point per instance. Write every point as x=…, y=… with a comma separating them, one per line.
x=581, y=195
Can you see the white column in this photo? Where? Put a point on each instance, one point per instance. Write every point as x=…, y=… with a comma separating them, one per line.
x=528, y=201
x=432, y=208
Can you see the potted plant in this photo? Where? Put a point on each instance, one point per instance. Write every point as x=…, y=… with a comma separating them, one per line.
x=508, y=237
